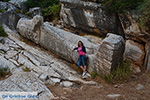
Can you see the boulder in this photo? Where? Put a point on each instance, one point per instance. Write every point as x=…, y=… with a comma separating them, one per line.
x=43, y=77
x=26, y=82
x=66, y=84
x=135, y=52
x=110, y=54
x=147, y=56
x=140, y=87
x=55, y=80
x=113, y=96
x=87, y=16
x=30, y=28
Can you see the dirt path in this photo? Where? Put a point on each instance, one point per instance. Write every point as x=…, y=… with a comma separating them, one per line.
x=128, y=90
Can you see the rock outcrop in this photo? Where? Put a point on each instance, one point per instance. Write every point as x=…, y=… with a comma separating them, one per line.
x=26, y=82
x=19, y=3
x=62, y=43
x=91, y=16
x=135, y=52
x=147, y=56
x=7, y=6
x=132, y=28
x=19, y=56
x=87, y=16
x=10, y=18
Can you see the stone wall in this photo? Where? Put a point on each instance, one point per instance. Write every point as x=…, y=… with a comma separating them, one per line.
x=62, y=43
x=88, y=16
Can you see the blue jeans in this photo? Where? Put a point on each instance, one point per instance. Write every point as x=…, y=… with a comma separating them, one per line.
x=82, y=61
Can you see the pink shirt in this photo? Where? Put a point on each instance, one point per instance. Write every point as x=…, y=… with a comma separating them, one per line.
x=81, y=52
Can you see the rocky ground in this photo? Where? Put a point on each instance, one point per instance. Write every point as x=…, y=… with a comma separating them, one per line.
x=36, y=69
x=136, y=89
x=22, y=56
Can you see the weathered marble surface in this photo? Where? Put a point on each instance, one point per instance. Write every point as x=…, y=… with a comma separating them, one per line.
x=147, y=56
x=26, y=82
x=88, y=16
x=19, y=3
x=7, y=6
x=110, y=54
x=62, y=43
x=17, y=55
x=135, y=52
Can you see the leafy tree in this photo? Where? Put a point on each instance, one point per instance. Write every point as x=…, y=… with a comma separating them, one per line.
x=2, y=32
x=121, y=6
x=144, y=8
x=50, y=8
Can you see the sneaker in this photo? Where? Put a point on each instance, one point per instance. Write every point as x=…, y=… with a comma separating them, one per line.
x=84, y=73
x=84, y=77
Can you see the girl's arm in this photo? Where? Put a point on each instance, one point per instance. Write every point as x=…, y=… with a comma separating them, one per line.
x=75, y=48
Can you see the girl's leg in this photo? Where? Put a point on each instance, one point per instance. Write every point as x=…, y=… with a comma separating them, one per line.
x=85, y=68
x=84, y=63
x=82, y=68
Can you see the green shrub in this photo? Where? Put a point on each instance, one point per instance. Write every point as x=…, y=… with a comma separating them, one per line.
x=122, y=73
x=2, y=10
x=26, y=69
x=5, y=0
x=144, y=9
x=52, y=12
x=94, y=74
x=50, y=8
x=2, y=32
x=121, y=6
x=4, y=72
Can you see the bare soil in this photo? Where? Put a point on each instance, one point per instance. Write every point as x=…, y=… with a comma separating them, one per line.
x=127, y=90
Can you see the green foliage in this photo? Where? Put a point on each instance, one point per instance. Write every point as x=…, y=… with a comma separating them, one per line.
x=2, y=32
x=50, y=8
x=52, y=11
x=94, y=74
x=26, y=69
x=2, y=10
x=120, y=6
x=144, y=9
x=122, y=73
x=18, y=11
x=4, y=72
x=5, y=0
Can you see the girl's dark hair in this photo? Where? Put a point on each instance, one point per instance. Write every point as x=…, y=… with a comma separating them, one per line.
x=81, y=43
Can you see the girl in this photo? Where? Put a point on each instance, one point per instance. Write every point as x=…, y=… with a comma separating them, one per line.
x=82, y=60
